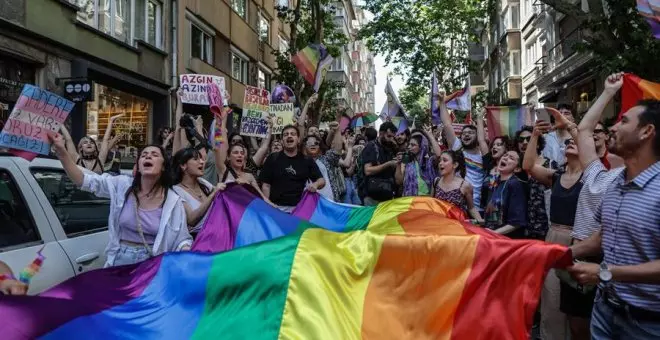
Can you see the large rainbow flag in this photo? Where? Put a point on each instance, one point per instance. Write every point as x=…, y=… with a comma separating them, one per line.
x=312, y=62
x=405, y=269
x=504, y=120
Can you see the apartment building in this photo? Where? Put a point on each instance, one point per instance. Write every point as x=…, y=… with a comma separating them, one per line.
x=502, y=65
x=553, y=70
x=230, y=38
x=117, y=47
x=355, y=66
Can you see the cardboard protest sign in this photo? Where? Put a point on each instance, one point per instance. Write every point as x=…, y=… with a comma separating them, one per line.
x=254, y=121
x=36, y=112
x=195, y=88
x=283, y=116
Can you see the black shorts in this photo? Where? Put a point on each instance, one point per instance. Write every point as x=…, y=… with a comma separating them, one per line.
x=574, y=303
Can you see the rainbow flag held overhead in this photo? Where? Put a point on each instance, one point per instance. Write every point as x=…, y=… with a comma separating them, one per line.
x=312, y=63
x=635, y=89
x=405, y=269
x=504, y=120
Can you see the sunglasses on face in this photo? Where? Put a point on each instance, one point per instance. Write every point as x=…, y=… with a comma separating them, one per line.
x=569, y=142
x=524, y=139
x=600, y=131
x=312, y=143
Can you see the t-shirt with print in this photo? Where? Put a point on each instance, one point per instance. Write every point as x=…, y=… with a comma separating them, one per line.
x=288, y=176
x=475, y=173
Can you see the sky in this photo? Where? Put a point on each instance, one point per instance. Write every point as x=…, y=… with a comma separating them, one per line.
x=382, y=71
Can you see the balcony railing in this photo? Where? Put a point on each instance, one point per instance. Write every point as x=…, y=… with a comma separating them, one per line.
x=564, y=49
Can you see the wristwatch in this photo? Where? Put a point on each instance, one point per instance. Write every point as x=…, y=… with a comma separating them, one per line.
x=605, y=275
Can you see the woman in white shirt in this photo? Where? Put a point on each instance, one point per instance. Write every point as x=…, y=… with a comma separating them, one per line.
x=196, y=192
x=147, y=218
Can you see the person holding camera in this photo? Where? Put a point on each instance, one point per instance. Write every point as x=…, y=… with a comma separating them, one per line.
x=379, y=165
x=416, y=171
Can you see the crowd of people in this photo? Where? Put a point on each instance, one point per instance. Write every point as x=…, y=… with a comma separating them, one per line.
x=580, y=184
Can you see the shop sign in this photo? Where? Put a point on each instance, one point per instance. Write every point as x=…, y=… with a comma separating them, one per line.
x=79, y=90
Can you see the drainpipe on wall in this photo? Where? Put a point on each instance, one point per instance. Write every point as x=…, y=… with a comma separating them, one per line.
x=174, y=44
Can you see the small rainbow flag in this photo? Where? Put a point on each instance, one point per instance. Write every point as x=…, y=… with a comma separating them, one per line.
x=401, y=123
x=312, y=62
x=363, y=119
x=405, y=269
x=504, y=120
x=635, y=89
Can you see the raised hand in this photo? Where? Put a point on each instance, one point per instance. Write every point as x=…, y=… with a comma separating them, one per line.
x=113, y=118
x=56, y=140
x=542, y=127
x=614, y=82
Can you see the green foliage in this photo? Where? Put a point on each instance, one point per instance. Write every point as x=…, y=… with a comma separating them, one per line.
x=303, y=21
x=419, y=36
x=416, y=105
x=620, y=39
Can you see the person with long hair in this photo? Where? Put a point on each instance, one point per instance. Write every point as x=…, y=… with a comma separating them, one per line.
x=417, y=174
x=196, y=192
x=491, y=156
x=147, y=218
x=451, y=186
x=87, y=154
x=231, y=161
x=558, y=296
x=506, y=210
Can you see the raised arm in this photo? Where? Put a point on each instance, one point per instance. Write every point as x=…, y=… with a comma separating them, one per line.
x=220, y=153
x=435, y=147
x=337, y=142
x=262, y=152
x=70, y=145
x=540, y=173
x=347, y=161
x=481, y=132
x=303, y=115
x=179, y=140
x=72, y=170
x=106, y=144
x=450, y=135
x=585, y=140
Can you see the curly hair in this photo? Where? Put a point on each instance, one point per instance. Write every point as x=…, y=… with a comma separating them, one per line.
x=540, y=145
x=456, y=157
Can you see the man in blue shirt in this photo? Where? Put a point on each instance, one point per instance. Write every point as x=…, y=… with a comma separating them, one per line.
x=627, y=304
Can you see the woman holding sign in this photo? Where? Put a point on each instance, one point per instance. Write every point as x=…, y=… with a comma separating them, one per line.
x=147, y=217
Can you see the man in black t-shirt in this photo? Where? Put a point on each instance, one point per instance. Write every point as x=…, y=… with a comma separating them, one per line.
x=380, y=162
x=286, y=173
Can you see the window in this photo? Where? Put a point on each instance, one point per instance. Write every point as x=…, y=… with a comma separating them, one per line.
x=284, y=45
x=125, y=20
x=239, y=67
x=515, y=16
x=201, y=44
x=337, y=64
x=515, y=63
x=240, y=6
x=79, y=212
x=263, y=79
x=264, y=29
x=16, y=224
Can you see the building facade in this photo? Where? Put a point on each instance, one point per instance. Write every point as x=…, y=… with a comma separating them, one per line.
x=118, y=46
x=502, y=65
x=355, y=66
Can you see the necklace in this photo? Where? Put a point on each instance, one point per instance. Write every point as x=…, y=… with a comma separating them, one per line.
x=199, y=193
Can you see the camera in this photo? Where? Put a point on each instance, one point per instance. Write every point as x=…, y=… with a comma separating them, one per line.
x=407, y=157
x=187, y=123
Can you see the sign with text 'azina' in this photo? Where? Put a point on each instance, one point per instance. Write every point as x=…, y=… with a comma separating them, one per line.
x=36, y=112
x=195, y=88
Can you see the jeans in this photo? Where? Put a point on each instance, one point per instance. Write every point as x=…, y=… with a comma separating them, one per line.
x=351, y=196
x=609, y=324
x=128, y=254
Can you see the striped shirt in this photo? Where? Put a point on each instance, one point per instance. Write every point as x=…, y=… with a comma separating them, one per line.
x=630, y=216
x=475, y=172
x=595, y=178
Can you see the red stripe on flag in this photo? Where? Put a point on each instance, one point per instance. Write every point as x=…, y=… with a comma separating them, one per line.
x=635, y=89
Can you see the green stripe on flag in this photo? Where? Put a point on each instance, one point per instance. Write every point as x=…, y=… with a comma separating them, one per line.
x=360, y=218
x=246, y=291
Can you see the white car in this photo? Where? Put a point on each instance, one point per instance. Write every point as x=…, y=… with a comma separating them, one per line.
x=41, y=207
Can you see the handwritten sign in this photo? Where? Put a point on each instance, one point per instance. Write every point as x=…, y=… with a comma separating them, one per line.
x=283, y=116
x=36, y=112
x=195, y=88
x=254, y=121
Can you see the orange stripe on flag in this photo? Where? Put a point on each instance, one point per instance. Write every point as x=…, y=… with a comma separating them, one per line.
x=635, y=89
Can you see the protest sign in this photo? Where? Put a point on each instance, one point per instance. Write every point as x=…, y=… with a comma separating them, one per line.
x=196, y=86
x=254, y=121
x=283, y=116
x=36, y=112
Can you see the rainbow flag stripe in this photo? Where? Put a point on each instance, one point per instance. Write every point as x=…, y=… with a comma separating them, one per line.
x=402, y=269
x=311, y=62
x=635, y=89
x=504, y=120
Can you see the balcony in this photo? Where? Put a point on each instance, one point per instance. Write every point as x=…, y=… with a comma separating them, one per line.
x=539, y=9
x=563, y=62
x=564, y=49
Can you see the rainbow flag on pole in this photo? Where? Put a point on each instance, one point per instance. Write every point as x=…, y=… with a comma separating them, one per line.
x=405, y=269
x=504, y=120
x=312, y=62
x=650, y=9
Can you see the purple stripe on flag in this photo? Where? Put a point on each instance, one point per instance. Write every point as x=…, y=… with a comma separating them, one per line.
x=219, y=232
x=119, y=284
x=655, y=27
x=305, y=209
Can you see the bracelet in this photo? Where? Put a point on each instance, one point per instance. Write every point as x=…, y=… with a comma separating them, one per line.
x=4, y=277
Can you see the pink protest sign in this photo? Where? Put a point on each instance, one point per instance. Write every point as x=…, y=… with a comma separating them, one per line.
x=215, y=100
x=36, y=112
